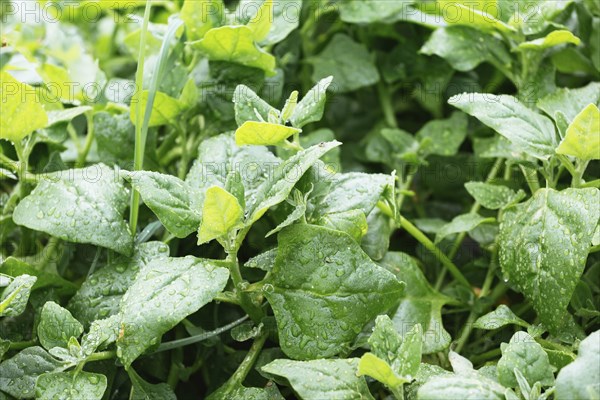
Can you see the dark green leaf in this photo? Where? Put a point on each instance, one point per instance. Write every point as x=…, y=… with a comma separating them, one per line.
x=75, y=385
x=18, y=374
x=57, y=326
x=579, y=380
x=526, y=355
x=16, y=295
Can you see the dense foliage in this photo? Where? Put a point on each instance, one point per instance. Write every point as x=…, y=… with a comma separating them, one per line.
x=268, y=199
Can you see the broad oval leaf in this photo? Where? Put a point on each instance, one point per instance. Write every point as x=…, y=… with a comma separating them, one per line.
x=579, y=380
x=16, y=295
x=174, y=202
x=57, y=326
x=498, y=318
x=221, y=213
x=73, y=385
x=311, y=107
x=461, y=223
x=249, y=106
x=460, y=387
x=531, y=132
x=543, y=246
x=170, y=289
x=526, y=355
x=319, y=379
x=325, y=289
x=79, y=205
x=493, y=196
x=200, y=16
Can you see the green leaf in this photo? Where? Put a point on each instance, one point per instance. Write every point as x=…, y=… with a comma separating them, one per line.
x=249, y=106
x=311, y=107
x=278, y=185
x=235, y=44
x=75, y=385
x=353, y=222
x=263, y=133
x=102, y=333
x=21, y=112
x=376, y=241
x=170, y=289
x=498, y=318
x=543, y=245
x=174, y=202
x=530, y=132
x=66, y=115
x=142, y=390
x=348, y=62
x=465, y=47
x=318, y=379
x=299, y=211
x=462, y=223
x=582, y=139
x=19, y=373
x=493, y=196
x=221, y=214
x=539, y=15
x=579, y=380
x=443, y=136
x=552, y=39
x=165, y=108
x=115, y=138
x=56, y=326
x=261, y=23
x=567, y=103
x=419, y=304
x=526, y=355
x=100, y=294
x=460, y=387
x=79, y=205
x=369, y=11
x=16, y=295
x=325, y=289
x=200, y=16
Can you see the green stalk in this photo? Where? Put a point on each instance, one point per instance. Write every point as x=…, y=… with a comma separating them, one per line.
x=428, y=244
x=102, y=355
x=244, y=368
x=138, y=156
x=385, y=100
x=89, y=138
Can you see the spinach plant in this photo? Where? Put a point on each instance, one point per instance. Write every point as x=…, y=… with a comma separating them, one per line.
x=335, y=199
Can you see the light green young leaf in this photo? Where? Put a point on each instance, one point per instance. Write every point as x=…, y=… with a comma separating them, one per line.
x=465, y=47
x=248, y=106
x=579, y=380
x=493, y=196
x=318, y=379
x=235, y=44
x=311, y=107
x=531, y=23
x=378, y=369
x=419, y=304
x=348, y=62
x=100, y=294
x=174, y=202
x=473, y=14
x=19, y=373
x=531, y=132
x=443, y=136
x=66, y=115
x=552, y=39
x=325, y=289
x=261, y=23
x=22, y=113
x=164, y=109
x=73, y=385
x=79, y=205
x=234, y=184
x=543, y=246
x=289, y=107
x=56, y=326
x=142, y=390
x=221, y=214
x=263, y=133
x=567, y=103
x=200, y=16
x=102, y=332
x=498, y=318
x=526, y=355
x=461, y=223
x=583, y=135
x=170, y=289
x=16, y=295
x=278, y=185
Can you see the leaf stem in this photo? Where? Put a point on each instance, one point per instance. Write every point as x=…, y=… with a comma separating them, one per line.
x=138, y=155
x=244, y=368
x=385, y=100
x=428, y=244
x=102, y=355
x=21, y=345
x=89, y=139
